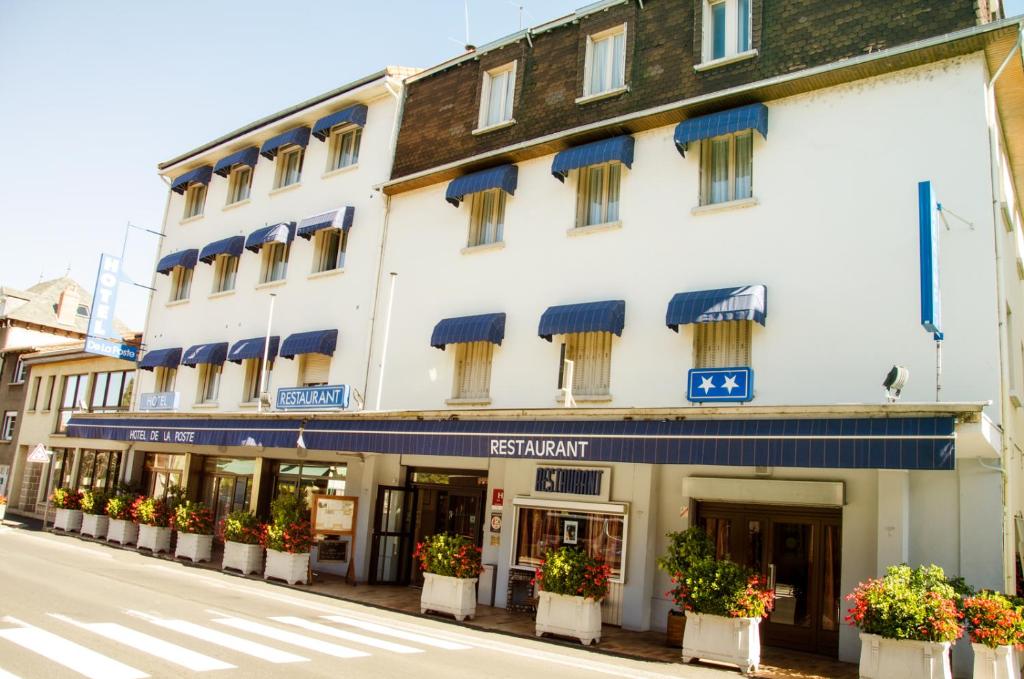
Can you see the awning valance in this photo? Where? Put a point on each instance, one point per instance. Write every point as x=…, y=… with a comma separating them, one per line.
x=594, y=153
x=752, y=117
x=333, y=219
x=253, y=348
x=205, y=353
x=504, y=177
x=480, y=328
x=315, y=342
x=295, y=137
x=161, y=358
x=186, y=259
x=229, y=246
x=608, y=316
x=276, y=233
x=247, y=156
x=747, y=303
x=354, y=115
x=200, y=175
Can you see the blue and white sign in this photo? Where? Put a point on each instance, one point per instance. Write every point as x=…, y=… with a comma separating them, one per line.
x=160, y=400
x=104, y=347
x=314, y=398
x=102, y=338
x=928, y=223
x=730, y=385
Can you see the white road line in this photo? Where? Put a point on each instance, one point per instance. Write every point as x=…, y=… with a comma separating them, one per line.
x=348, y=636
x=397, y=633
x=291, y=638
x=140, y=641
x=218, y=638
x=69, y=654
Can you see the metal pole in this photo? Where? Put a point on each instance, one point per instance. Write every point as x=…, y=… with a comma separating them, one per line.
x=49, y=487
x=387, y=334
x=938, y=370
x=266, y=355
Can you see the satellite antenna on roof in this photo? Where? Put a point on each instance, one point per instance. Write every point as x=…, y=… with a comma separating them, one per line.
x=467, y=45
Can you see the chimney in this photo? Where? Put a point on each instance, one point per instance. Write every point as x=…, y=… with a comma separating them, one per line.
x=67, y=306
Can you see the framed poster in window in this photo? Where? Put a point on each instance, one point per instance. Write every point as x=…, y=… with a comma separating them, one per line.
x=570, y=531
x=334, y=514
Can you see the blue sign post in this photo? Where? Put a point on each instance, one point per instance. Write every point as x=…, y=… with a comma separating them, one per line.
x=928, y=221
x=334, y=397
x=101, y=337
x=728, y=385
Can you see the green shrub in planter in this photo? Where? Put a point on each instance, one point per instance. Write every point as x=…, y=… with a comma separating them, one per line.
x=571, y=571
x=686, y=548
x=289, y=530
x=243, y=527
x=65, y=498
x=120, y=507
x=94, y=502
x=723, y=588
x=452, y=555
x=918, y=604
x=193, y=517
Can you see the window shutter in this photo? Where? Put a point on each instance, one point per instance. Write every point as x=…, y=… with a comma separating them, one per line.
x=722, y=345
x=473, y=370
x=316, y=369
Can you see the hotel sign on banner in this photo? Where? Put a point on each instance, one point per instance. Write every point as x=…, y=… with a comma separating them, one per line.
x=334, y=397
x=102, y=337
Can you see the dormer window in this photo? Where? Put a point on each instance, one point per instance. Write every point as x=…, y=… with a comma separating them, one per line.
x=726, y=29
x=497, y=95
x=605, y=62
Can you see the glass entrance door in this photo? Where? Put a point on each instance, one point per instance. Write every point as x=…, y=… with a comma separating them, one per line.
x=390, y=544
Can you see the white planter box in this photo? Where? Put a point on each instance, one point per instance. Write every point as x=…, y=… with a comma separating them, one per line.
x=882, y=658
x=242, y=557
x=292, y=568
x=445, y=594
x=154, y=538
x=68, y=520
x=194, y=546
x=122, y=531
x=730, y=640
x=995, y=663
x=569, y=616
x=3, y=511
x=95, y=525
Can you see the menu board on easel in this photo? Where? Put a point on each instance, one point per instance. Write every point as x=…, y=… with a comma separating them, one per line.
x=335, y=515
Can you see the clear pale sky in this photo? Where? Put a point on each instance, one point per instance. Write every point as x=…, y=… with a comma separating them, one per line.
x=94, y=94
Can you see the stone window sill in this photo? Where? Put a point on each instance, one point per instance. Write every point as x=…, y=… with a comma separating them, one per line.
x=221, y=294
x=495, y=127
x=193, y=218
x=593, y=228
x=468, y=401
x=722, y=207
x=725, y=61
x=177, y=302
x=607, y=94
x=237, y=203
x=486, y=247
x=579, y=398
x=283, y=189
x=210, y=405
x=326, y=274
x=271, y=284
x=339, y=170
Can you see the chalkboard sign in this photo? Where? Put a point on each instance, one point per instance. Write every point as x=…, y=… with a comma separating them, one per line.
x=332, y=550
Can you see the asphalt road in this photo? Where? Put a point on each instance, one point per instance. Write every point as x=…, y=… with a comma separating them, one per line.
x=72, y=608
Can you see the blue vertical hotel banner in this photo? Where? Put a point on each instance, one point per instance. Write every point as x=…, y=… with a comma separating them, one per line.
x=102, y=337
x=928, y=219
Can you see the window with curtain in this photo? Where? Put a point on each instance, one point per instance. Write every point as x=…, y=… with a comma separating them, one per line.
x=591, y=356
x=727, y=168
x=487, y=218
x=606, y=61
x=725, y=344
x=309, y=478
x=329, y=254
x=289, y=167
x=209, y=382
x=239, y=183
x=73, y=400
x=497, y=95
x=251, y=386
x=225, y=272
x=343, y=148
x=727, y=28
x=598, y=194
x=473, y=370
x=195, y=200
x=542, y=529
x=181, y=283
x=164, y=378
x=275, y=262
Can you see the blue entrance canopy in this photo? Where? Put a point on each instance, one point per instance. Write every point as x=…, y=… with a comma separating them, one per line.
x=205, y=353
x=481, y=328
x=253, y=348
x=186, y=259
x=229, y=246
x=747, y=303
x=295, y=137
x=752, y=117
x=200, y=175
x=504, y=177
x=333, y=219
x=247, y=156
x=276, y=233
x=354, y=115
x=594, y=153
x=609, y=316
x=161, y=358
x=315, y=342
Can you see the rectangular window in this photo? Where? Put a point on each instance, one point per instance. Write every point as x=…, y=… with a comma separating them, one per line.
x=727, y=168
x=487, y=218
x=195, y=200
x=275, y=262
x=72, y=400
x=7, y=430
x=251, y=387
x=112, y=391
x=239, y=183
x=181, y=283
x=50, y=381
x=591, y=355
x=289, y=167
x=726, y=28
x=20, y=372
x=224, y=273
x=164, y=378
x=722, y=345
x=497, y=95
x=540, y=529
x=343, y=150
x=606, y=61
x=473, y=370
x=34, y=396
x=1011, y=367
x=162, y=472
x=60, y=467
x=309, y=478
x=315, y=370
x=98, y=470
x=331, y=245
x=598, y=194
x=209, y=382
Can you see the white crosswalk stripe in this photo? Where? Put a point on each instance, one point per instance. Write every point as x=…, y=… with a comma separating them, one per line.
x=292, y=638
x=396, y=633
x=347, y=636
x=69, y=654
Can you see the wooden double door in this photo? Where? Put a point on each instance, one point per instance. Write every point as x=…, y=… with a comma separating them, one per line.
x=797, y=549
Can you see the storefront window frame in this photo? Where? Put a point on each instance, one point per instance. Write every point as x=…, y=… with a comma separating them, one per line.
x=296, y=480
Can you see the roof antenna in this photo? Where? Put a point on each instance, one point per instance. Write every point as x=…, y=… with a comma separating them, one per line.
x=41, y=274
x=470, y=47
x=67, y=272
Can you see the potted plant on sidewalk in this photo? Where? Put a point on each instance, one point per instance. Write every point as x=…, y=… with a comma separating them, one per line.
x=908, y=620
x=288, y=539
x=154, y=519
x=571, y=585
x=69, y=509
x=995, y=626
x=194, y=523
x=94, y=517
x=242, y=549
x=451, y=566
x=121, y=527
x=685, y=548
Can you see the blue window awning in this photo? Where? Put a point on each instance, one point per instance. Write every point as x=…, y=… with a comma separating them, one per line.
x=295, y=137
x=616, y=148
x=504, y=177
x=186, y=259
x=353, y=115
x=747, y=303
x=333, y=219
x=480, y=328
x=200, y=175
x=229, y=246
x=253, y=348
x=205, y=353
x=161, y=358
x=608, y=316
x=752, y=117
x=315, y=342
x=275, y=233
x=247, y=156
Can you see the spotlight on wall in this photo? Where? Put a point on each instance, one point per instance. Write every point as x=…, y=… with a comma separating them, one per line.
x=895, y=381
